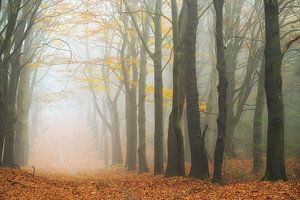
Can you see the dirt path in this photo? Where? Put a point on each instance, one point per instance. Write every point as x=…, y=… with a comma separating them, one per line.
x=118, y=184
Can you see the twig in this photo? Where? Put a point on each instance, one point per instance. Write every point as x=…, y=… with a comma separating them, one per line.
x=33, y=171
x=15, y=182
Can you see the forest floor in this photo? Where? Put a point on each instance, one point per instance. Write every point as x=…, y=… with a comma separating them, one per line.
x=116, y=183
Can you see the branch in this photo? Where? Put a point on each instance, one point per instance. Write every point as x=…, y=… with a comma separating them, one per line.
x=289, y=44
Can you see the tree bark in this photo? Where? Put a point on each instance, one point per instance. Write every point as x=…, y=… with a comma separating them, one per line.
x=273, y=87
x=199, y=163
x=222, y=93
x=158, y=93
x=143, y=167
x=257, y=122
x=175, y=161
x=22, y=137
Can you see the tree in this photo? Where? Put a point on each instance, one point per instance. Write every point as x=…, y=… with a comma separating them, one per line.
x=257, y=122
x=156, y=56
x=273, y=86
x=141, y=96
x=175, y=162
x=222, y=93
x=199, y=163
x=16, y=31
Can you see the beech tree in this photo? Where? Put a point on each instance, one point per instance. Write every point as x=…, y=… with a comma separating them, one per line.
x=273, y=87
x=156, y=56
x=222, y=93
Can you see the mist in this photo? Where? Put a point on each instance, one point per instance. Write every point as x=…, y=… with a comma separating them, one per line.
x=131, y=92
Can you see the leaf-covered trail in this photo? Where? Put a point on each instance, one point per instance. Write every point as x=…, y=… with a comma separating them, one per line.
x=118, y=184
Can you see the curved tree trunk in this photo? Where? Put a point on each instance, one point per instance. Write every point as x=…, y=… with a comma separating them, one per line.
x=175, y=163
x=199, y=162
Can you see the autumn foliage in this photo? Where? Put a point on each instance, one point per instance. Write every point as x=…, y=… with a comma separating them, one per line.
x=116, y=183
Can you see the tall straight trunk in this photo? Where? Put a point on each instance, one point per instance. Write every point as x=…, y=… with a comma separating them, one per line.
x=105, y=145
x=95, y=128
x=211, y=117
x=158, y=82
x=232, y=12
x=117, y=157
x=158, y=93
x=131, y=109
x=257, y=122
x=23, y=106
x=24, y=98
x=9, y=148
x=229, y=146
x=112, y=105
x=131, y=131
x=143, y=167
x=273, y=87
x=199, y=163
x=231, y=63
x=175, y=163
x=222, y=93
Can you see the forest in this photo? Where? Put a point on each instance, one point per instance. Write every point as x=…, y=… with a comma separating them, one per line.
x=149, y=99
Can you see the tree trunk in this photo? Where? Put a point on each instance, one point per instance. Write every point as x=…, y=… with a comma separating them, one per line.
x=273, y=86
x=143, y=167
x=105, y=145
x=222, y=93
x=131, y=118
x=23, y=106
x=257, y=122
x=229, y=144
x=117, y=157
x=9, y=148
x=210, y=114
x=158, y=93
x=175, y=162
x=199, y=164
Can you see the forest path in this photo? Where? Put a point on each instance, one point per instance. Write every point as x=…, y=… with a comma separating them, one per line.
x=118, y=184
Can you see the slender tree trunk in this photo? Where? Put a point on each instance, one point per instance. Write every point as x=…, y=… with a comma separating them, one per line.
x=105, y=145
x=158, y=83
x=257, y=122
x=273, y=86
x=229, y=146
x=117, y=157
x=143, y=167
x=158, y=93
x=222, y=92
x=210, y=116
